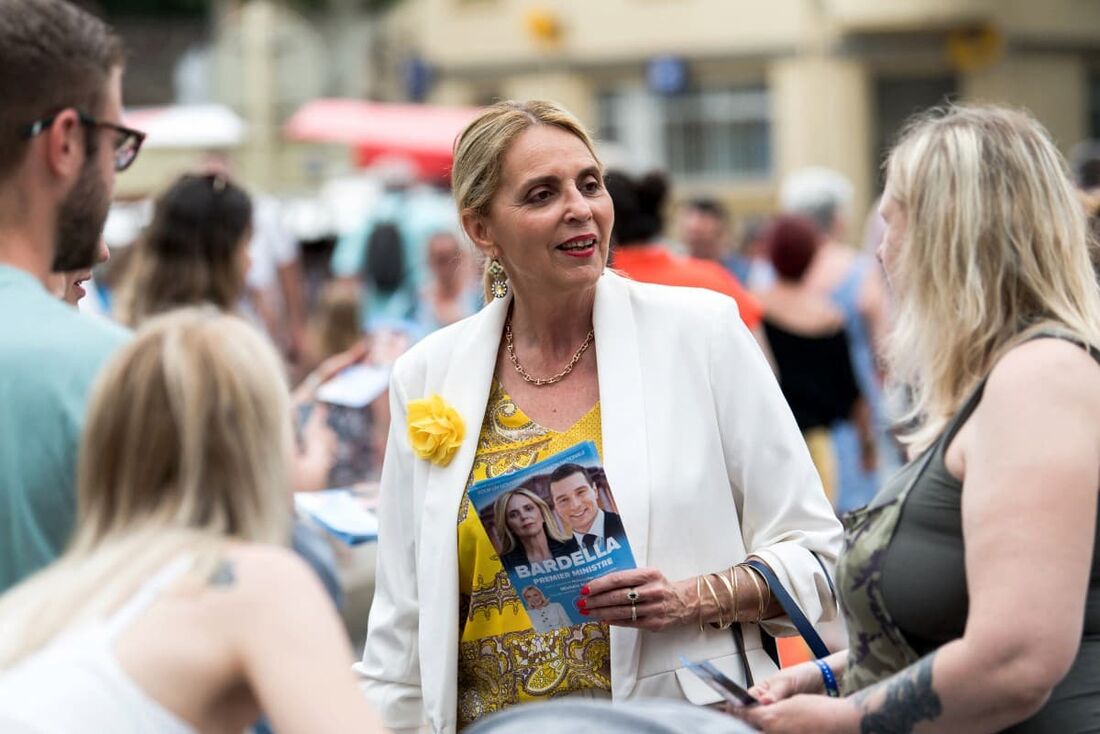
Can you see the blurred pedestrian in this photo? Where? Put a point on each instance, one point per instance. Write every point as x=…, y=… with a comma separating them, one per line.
x=704, y=228
x=61, y=144
x=386, y=255
x=809, y=344
x=1086, y=173
x=1086, y=166
x=183, y=507
x=449, y=641
x=853, y=281
x=639, y=222
x=194, y=252
x=995, y=517
x=749, y=260
x=334, y=343
x=333, y=326
x=451, y=293
x=274, y=281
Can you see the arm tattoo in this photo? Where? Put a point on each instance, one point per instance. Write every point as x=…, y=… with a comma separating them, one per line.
x=908, y=699
x=223, y=575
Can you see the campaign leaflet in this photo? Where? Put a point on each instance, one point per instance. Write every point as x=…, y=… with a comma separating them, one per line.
x=556, y=527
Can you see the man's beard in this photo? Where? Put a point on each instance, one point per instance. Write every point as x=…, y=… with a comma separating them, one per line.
x=80, y=221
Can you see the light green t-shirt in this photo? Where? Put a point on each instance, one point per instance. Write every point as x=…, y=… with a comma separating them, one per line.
x=49, y=355
x=418, y=214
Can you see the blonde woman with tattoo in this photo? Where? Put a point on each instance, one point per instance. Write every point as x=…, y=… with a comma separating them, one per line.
x=174, y=609
x=971, y=583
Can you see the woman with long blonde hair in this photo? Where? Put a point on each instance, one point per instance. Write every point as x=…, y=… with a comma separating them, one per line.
x=174, y=608
x=527, y=530
x=971, y=583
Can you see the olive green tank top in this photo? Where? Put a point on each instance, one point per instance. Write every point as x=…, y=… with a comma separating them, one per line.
x=902, y=583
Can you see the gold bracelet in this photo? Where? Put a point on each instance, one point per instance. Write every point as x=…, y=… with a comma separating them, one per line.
x=762, y=590
x=717, y=603
x=699, y=598
x=733, y=579
x=717, y=599
x=729, y=590
x=766, y=597
x=759, y=590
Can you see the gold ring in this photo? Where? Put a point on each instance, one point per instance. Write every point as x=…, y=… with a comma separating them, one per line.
x=633, y=613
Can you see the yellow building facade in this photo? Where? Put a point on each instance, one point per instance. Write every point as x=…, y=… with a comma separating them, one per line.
x=729, y=95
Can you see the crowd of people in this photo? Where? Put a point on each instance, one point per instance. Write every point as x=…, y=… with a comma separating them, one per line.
x=740, y=388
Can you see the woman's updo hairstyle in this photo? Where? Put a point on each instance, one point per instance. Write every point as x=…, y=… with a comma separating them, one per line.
x=190, y=253
x=639, y=207
x=480, y=149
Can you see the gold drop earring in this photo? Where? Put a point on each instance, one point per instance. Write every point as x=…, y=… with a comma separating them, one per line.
x=498, y=285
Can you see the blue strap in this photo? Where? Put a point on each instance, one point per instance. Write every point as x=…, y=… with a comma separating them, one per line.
x=790, y=606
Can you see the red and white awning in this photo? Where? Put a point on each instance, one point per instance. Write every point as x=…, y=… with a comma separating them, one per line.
x=424, y=134
x=204, y=126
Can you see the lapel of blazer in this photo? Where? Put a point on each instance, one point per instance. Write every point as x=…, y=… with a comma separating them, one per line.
x=625, y=456
x=464, y=382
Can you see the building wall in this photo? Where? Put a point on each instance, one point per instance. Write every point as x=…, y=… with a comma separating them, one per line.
x=1052, y=86
x=820, y=62
x=823, y=118
x=482, y=33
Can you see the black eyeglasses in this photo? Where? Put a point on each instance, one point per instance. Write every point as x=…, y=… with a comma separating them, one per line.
x=127, y=140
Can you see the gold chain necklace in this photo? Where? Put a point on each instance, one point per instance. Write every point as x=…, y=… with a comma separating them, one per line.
x=540, y=381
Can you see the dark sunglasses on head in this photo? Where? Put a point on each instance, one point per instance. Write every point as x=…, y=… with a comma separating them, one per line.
x=127, y=140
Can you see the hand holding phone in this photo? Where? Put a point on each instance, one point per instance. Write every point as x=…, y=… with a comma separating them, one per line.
x=727, y=688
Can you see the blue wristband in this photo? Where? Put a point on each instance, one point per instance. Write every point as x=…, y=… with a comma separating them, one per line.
x=830, y=679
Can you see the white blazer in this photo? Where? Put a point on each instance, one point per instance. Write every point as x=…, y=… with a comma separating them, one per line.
x=700, y=449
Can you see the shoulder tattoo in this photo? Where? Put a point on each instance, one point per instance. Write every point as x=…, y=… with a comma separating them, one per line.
x=223, y=575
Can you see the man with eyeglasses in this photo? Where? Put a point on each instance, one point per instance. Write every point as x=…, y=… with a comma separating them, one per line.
x=61, y=144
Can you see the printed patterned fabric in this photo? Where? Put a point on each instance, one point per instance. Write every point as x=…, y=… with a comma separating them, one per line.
x=502, y=660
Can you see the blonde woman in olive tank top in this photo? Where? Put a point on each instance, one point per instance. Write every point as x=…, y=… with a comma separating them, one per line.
x=971, y=583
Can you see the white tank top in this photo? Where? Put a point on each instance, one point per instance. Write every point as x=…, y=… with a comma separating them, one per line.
x=75, y=683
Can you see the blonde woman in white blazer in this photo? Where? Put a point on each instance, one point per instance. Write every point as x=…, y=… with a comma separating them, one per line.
x=702, y=454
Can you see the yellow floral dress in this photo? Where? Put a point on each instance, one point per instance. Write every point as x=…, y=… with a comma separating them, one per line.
x=501, y=659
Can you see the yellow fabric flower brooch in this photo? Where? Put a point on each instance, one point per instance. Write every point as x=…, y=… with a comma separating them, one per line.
x=436, y=429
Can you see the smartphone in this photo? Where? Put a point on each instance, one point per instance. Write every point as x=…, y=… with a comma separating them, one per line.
x=726, y=687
